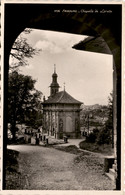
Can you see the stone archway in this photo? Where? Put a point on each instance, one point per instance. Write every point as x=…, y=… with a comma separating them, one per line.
x=43, y=16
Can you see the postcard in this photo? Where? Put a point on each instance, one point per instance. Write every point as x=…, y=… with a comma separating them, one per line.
x=62, y=98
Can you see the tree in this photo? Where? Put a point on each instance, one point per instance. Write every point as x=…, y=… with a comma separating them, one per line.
x=106, y=134
x=110, y=111
x=33, y=115
x=23, y=98
x=109, y=122
x=21, y=50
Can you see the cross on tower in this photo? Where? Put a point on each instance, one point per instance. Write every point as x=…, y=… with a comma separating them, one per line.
x=54, y=68
x=64, y=85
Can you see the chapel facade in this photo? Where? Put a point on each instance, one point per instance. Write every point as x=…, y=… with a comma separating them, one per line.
x=61, y=112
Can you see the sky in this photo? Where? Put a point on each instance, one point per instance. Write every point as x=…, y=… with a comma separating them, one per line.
x=87, y=75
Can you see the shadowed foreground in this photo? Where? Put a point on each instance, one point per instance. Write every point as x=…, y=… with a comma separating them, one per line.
x=42, y=168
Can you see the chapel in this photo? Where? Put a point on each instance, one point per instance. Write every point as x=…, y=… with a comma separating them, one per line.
x=61, y=112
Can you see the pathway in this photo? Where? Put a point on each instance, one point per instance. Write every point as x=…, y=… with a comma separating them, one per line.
x=45, y=168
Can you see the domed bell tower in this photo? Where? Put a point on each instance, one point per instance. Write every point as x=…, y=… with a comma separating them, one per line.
x=54, y=87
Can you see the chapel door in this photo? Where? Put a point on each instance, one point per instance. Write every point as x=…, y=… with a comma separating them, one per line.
x=68, y=124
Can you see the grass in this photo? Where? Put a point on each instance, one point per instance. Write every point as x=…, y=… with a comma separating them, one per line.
x=12, y=162
x=88, y=167
x=105, y=149
x=71, y=149
x=13, y=176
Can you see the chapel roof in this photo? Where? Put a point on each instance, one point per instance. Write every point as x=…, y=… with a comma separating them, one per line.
x=61, y=97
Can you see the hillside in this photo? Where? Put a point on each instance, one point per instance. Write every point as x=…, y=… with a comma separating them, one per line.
x=93, y=116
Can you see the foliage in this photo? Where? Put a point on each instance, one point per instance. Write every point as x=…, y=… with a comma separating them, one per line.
x=109, y=123
x=94, y=147
x=21, y=50
x=23, y=99
x=34, y=118
x=91, y=138
x=105, y=135
x=94, y=116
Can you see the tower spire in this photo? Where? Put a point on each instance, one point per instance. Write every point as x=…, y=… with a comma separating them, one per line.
x=54, y=87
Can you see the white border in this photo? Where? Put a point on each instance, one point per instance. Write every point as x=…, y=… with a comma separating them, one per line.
x=54, y=192
x=1, y=93
x=65, y=1
x=123, y=103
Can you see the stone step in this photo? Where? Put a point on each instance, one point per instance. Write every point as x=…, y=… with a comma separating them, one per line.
x=110, y=176
x=112, y=172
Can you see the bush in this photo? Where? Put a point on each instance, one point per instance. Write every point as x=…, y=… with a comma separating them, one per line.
x=91, y=138
x=104, y=137
x=96, y=131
